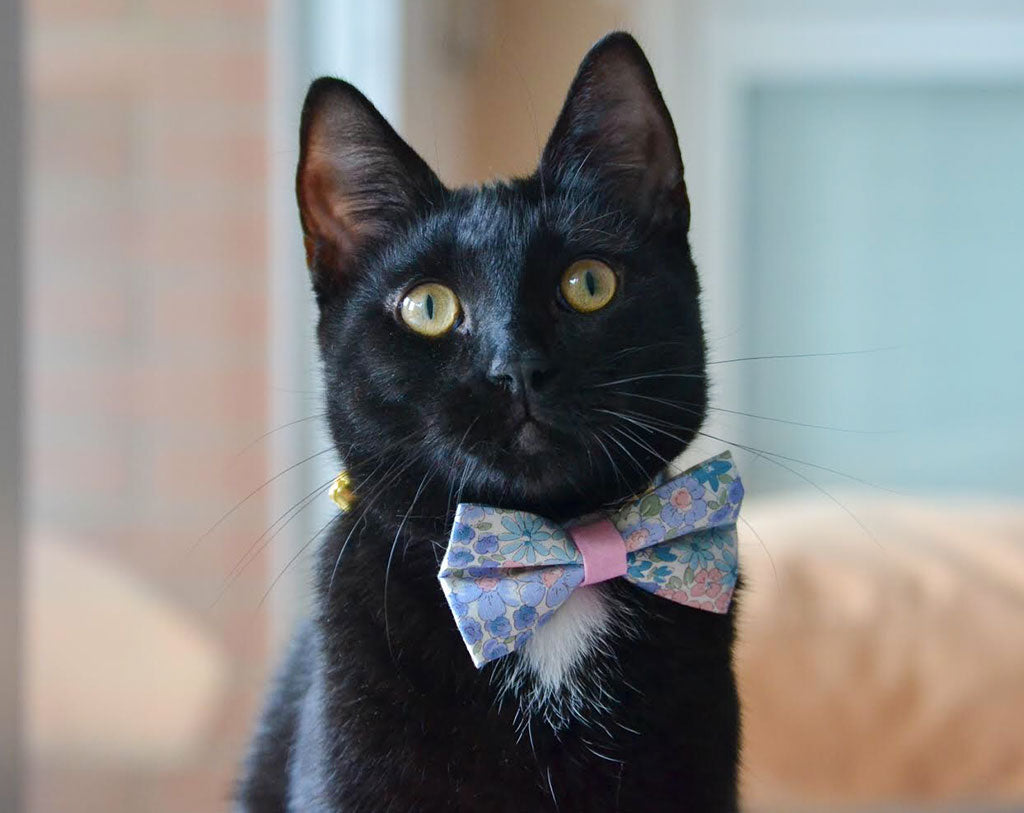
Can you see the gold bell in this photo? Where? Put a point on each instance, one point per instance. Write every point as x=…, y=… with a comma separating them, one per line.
x=341, y=491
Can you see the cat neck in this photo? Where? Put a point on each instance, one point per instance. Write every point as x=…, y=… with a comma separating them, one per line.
x=423, y=501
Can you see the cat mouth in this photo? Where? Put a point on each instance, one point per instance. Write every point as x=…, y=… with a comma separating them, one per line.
x=531, y=436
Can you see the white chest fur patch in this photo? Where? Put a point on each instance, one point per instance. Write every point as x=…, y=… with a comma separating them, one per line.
x=560, y=646
x=548, y=679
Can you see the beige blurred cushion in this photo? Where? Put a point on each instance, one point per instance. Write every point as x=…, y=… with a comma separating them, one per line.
x=114, y=672
x=886, y=671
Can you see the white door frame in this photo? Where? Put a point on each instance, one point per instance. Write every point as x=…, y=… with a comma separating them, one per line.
x=359, y=41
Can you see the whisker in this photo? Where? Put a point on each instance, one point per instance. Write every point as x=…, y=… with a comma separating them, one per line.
x=808, y=355
x=614, y=440
x=647, y=376
x=771, y=559
x=394, y=471
x=688, y=406
x=640, y=348
x=615, y=467
x=655, y=424
x=631, y=435
x=252, y=494
x=270, y=432
x=387, y=570
x=769, y=456
x=830, y=470
x=458, y=450
x=255, y=548
x=293, y=559
x=824, y=491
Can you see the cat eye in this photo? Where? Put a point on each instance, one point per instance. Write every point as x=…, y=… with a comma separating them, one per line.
x=431, y=309
x=588, y=285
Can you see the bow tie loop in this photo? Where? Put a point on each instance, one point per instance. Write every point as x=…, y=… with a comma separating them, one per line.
x=506, y=572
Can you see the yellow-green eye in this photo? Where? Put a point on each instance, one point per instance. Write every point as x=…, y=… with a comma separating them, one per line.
x=588, y=285
x=431, y=309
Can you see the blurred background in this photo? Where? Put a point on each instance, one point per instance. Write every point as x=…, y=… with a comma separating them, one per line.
x=856, y=171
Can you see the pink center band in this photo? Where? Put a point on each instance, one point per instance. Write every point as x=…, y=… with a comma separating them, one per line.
x=603, y=550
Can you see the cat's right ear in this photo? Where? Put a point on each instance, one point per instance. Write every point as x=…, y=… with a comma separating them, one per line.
x=357, y=182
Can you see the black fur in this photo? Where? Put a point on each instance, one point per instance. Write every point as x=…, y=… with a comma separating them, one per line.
x=379, y=706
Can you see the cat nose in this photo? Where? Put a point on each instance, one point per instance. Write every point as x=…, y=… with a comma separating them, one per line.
x=523, y=375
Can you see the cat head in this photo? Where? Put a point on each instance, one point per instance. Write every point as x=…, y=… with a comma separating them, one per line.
x=536, y=342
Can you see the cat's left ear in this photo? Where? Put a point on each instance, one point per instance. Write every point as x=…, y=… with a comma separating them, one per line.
x=615, y=130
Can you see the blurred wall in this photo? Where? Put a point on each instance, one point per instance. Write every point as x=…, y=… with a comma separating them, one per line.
x=11, y=405
x=146, y=323
x=485, y=81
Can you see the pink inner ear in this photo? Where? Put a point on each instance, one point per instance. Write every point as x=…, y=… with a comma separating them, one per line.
x=356, y=178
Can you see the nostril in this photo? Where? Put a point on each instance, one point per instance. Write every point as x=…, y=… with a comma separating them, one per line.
x=502, y=374
x=537, y=373
x=538, y=377
x=521, y=375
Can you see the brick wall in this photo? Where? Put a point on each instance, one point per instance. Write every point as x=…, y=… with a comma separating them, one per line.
x=146, y=310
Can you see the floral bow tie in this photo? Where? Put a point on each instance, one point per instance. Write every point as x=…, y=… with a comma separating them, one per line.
x=506, y=572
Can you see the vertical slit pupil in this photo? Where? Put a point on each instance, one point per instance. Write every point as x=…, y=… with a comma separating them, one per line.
x=430, y=306
x=590, y=282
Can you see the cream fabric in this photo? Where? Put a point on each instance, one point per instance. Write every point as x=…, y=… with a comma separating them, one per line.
x=882, y=671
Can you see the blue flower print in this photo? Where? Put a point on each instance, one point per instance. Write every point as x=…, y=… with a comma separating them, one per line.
x=462, y=532
x=708, y=473
x=736, y=491
x=460, y=557
x=495, y=596
x=470, y=630
x=466, y=591
x=698, y=554
x=470, y=513
x=638, y=570
x=644, y=534
x=490, y=605
x=720, y=515
x=509, y=590
x=728, y=563
x=523, y=637
x=458, y=608
x=697, y=511
x=493, y=648
x=559, y=590
x=499, y=627
x=523, y=525
x=525, y=538
x=655, y=532
x=532, y=593
x=685, y=505
x=486, y=544
x=524, y=617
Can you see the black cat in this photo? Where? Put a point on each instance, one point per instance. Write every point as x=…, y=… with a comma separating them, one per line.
x=532, y=344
